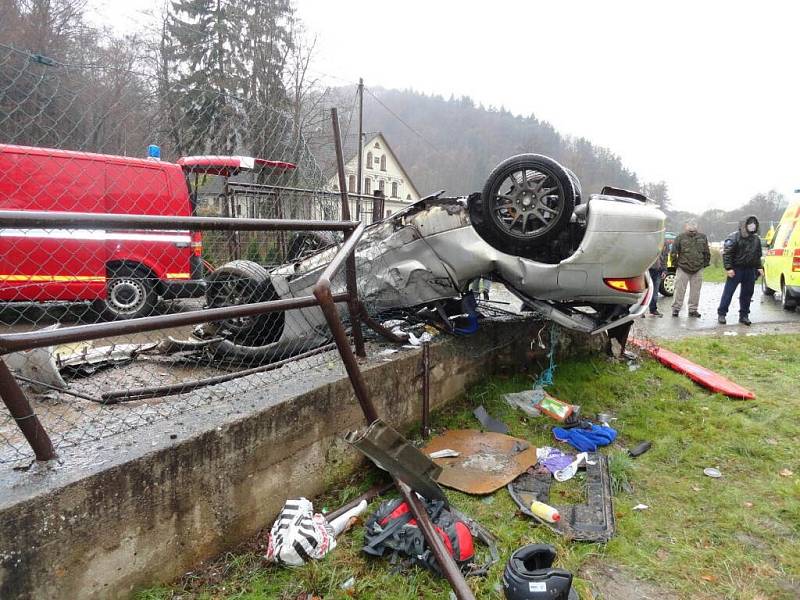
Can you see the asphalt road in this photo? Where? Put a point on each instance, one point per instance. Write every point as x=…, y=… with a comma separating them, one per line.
x=765, y=313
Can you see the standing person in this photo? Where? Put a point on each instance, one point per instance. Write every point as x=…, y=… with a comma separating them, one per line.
x=741, y=257
x=690, y=255
x=657, y=270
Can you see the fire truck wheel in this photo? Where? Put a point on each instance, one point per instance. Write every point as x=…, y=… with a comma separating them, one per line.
x=131, y=293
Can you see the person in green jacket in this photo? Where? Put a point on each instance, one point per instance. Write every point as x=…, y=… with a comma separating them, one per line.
x=690, y=255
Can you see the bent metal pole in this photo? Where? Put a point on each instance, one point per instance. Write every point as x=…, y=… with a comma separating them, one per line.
x=322, y=292
x=23, y=414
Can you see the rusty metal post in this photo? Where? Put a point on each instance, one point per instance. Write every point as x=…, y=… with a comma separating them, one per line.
x=446, y=563
x=337, y=144
x=352, y=283
x=353, y=305
x=426, y=389
x=322, y=291
x=20, y=409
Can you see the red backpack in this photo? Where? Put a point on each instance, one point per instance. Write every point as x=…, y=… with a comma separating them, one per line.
x=393, y=528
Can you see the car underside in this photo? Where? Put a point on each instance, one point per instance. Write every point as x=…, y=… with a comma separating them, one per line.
x=581, y=263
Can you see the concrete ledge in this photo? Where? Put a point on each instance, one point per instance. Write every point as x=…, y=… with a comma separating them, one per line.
x=110, y=520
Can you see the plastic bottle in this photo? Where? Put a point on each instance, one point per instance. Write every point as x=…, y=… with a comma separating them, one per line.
x=545, y=512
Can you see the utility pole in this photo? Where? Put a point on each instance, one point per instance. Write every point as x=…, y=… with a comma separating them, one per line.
x=359, y=171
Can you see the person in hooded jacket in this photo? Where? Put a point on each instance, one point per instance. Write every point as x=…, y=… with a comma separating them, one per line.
x=741, y=257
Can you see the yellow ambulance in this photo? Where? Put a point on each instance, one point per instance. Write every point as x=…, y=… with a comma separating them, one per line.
x=782, y=259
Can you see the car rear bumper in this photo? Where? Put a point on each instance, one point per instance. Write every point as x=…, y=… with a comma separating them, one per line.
x=189, y=288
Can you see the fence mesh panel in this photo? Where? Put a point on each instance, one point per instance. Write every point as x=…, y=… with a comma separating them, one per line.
x=72, y=138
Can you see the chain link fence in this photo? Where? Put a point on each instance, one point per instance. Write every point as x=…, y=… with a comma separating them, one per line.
x=75, y=138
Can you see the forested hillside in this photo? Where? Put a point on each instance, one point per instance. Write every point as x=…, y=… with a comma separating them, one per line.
x=453, y=143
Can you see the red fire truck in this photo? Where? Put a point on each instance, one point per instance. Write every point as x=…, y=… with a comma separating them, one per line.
x=127, y=270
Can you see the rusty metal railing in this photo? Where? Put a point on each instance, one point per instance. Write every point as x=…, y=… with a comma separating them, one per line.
x=10, y=391
x=22, y=412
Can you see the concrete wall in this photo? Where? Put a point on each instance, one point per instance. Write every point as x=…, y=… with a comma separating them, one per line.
x=101, y=529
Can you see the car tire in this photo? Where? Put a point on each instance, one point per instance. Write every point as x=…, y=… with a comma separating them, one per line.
x=788, y=301
x=667, y=285
x=242, y=282
x=130, y=293
x=527, y=200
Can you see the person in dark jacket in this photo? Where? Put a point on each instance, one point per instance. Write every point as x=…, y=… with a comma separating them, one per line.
x=657, y=270
x=741, y=257
x=690, y=255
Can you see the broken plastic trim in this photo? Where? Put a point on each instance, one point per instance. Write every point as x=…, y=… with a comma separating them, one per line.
x=590, y=522
x=392, y=452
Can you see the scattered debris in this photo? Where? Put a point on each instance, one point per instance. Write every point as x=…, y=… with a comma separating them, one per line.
x=349, y=584
x=586, y=440
x=705, y=377
x=590, y=522
x=712, y=472
x=553, y=459
x=545, y=512
x=487, y=461
x=640, y=507
x=569, y=471
x=555, y=408
x=605, y=418
x=87, y=360
x=298, y=535
x=785, y=473
x=529, y=575
x=640, y=449
x=392, y=452
x=446, y=453
x=523, y=401
x=729, y=333
x=346, y=520
x=488, y=422
x=37, y=365
x=415, y=341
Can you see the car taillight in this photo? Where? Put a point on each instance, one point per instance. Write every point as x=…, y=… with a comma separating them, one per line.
x=796, y=261
x=626, y=284
x=197, y=243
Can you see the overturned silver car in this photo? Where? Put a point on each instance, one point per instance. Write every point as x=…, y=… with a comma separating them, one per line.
x=579, y=262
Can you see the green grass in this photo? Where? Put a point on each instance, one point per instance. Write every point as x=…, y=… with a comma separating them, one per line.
x=714, y=274
x=737, y=537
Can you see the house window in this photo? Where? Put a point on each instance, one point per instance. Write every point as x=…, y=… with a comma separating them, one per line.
x=388, y=213
x=369, y=160
x=381, y=185
x=394, y=189
x=408, y=197
x=336, y=187
x=367, y=185
x=351, y=183
x=383, y=162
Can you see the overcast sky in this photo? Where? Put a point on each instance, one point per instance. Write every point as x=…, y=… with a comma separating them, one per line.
x=704, y=95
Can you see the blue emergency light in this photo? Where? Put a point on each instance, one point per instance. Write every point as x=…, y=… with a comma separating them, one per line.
x=154, y=152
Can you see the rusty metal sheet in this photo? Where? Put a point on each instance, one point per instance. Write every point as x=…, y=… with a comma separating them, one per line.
x=487, y=461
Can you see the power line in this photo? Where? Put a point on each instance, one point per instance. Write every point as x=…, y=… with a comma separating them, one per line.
x=409, y=127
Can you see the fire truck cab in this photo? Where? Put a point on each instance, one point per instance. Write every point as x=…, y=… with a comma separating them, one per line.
x=128, y=271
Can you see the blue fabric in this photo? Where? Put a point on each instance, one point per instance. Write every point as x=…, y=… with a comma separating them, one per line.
x=747, y=279
x=586, y=440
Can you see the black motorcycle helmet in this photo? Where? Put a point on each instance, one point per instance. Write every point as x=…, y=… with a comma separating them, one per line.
x=529, y=576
